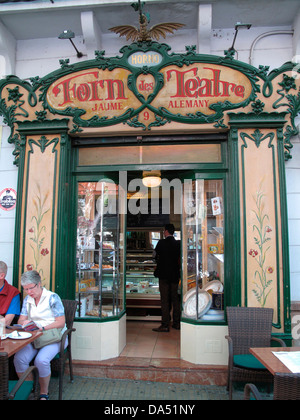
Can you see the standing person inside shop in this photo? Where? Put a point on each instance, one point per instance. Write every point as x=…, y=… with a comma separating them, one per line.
x=167, y=256
x=9, y=297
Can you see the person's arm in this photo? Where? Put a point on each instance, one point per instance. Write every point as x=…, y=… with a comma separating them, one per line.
x=13, y=310
x=59, y=322
x=157, y=251
x=23, y=320
x=9, y=319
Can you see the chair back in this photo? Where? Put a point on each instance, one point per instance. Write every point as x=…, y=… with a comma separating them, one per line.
x=286, y=386
x=70, y=310
x=249, y=327
x=4, y=376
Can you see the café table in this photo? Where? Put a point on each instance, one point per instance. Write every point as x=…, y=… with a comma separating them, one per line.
x=12, y=346
x=269, y=360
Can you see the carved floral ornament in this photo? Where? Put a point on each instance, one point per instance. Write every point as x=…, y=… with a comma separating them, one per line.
x=147, y=86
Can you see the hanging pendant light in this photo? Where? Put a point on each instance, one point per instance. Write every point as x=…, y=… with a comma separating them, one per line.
x=151, y=179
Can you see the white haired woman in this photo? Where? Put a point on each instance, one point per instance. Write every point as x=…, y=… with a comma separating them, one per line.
x=45, y=308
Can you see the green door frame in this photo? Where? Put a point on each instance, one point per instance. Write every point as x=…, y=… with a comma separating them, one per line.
x=226, y=170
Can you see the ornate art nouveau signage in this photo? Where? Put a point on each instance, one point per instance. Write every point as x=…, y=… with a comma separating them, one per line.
x=100, y=94
x=198, y=88
x=147, y=87
x=104, y=95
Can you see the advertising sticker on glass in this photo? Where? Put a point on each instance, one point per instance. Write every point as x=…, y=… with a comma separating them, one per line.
x=8, y=199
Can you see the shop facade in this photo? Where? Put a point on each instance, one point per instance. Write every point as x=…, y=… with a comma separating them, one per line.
x=215, y=129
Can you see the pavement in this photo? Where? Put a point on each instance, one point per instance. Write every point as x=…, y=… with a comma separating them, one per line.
x=84, y=388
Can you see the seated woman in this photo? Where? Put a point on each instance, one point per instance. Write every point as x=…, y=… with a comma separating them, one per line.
x=9, y=297
x=45, y=308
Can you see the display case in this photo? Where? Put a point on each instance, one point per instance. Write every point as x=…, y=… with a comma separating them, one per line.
x=142, y=289
x=100, y=252
x=203, y=251
x=139, y=273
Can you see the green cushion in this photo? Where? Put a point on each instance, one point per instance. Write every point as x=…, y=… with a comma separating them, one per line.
x=24, y=391
x=247, y=361
x=58, y=354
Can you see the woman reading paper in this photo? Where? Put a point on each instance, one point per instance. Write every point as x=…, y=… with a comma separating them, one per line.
x=46, y=310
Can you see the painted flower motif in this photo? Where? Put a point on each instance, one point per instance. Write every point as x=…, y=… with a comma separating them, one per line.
x=29, y=267
x=258, y=106
x=288, y=83
x=41, y=115
x=44, y=251
x=253, y=253
x=38, y=230
x=263, y=284
x=14, y=94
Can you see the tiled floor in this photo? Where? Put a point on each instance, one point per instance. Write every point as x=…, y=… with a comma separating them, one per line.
x=113, y=390
x=149, y=368
x=151, y=356
x=143, y=342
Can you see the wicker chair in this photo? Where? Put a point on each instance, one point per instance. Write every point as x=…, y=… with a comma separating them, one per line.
x=58, y=363
x=21, y=389
x=286, y=387
x=248, y=327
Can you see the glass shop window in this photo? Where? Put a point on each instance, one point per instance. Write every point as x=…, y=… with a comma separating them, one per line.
x=100, y=251
x=203, y=250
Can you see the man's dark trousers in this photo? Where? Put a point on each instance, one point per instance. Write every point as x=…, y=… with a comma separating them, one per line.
x=169, y=298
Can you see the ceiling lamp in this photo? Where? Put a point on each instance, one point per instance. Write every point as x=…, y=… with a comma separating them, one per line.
x=151, y=179
x=239, y=26
x=68, y=34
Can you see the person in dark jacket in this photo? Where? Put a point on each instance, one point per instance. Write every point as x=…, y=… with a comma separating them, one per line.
x=167, y=256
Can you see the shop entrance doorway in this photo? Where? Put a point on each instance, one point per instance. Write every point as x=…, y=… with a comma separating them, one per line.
x=148, y=211
x=153, y=208
x=120, y=221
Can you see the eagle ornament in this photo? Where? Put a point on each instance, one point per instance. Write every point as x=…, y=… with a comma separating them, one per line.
x=143, y=34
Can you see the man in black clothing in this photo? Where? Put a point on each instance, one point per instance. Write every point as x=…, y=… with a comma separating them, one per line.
x=167, y=256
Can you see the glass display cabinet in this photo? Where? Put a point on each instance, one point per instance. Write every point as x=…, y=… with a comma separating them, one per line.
x=139, y=268
x=100, y=252
x=142, y=289
x=203, y=250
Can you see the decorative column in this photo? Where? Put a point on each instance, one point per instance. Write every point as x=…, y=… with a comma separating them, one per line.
x=263, y=214
x=42, y=199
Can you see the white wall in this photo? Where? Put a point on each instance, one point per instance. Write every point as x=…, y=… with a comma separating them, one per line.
x=40, y=57
x=271, y=50
x=293, y=197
